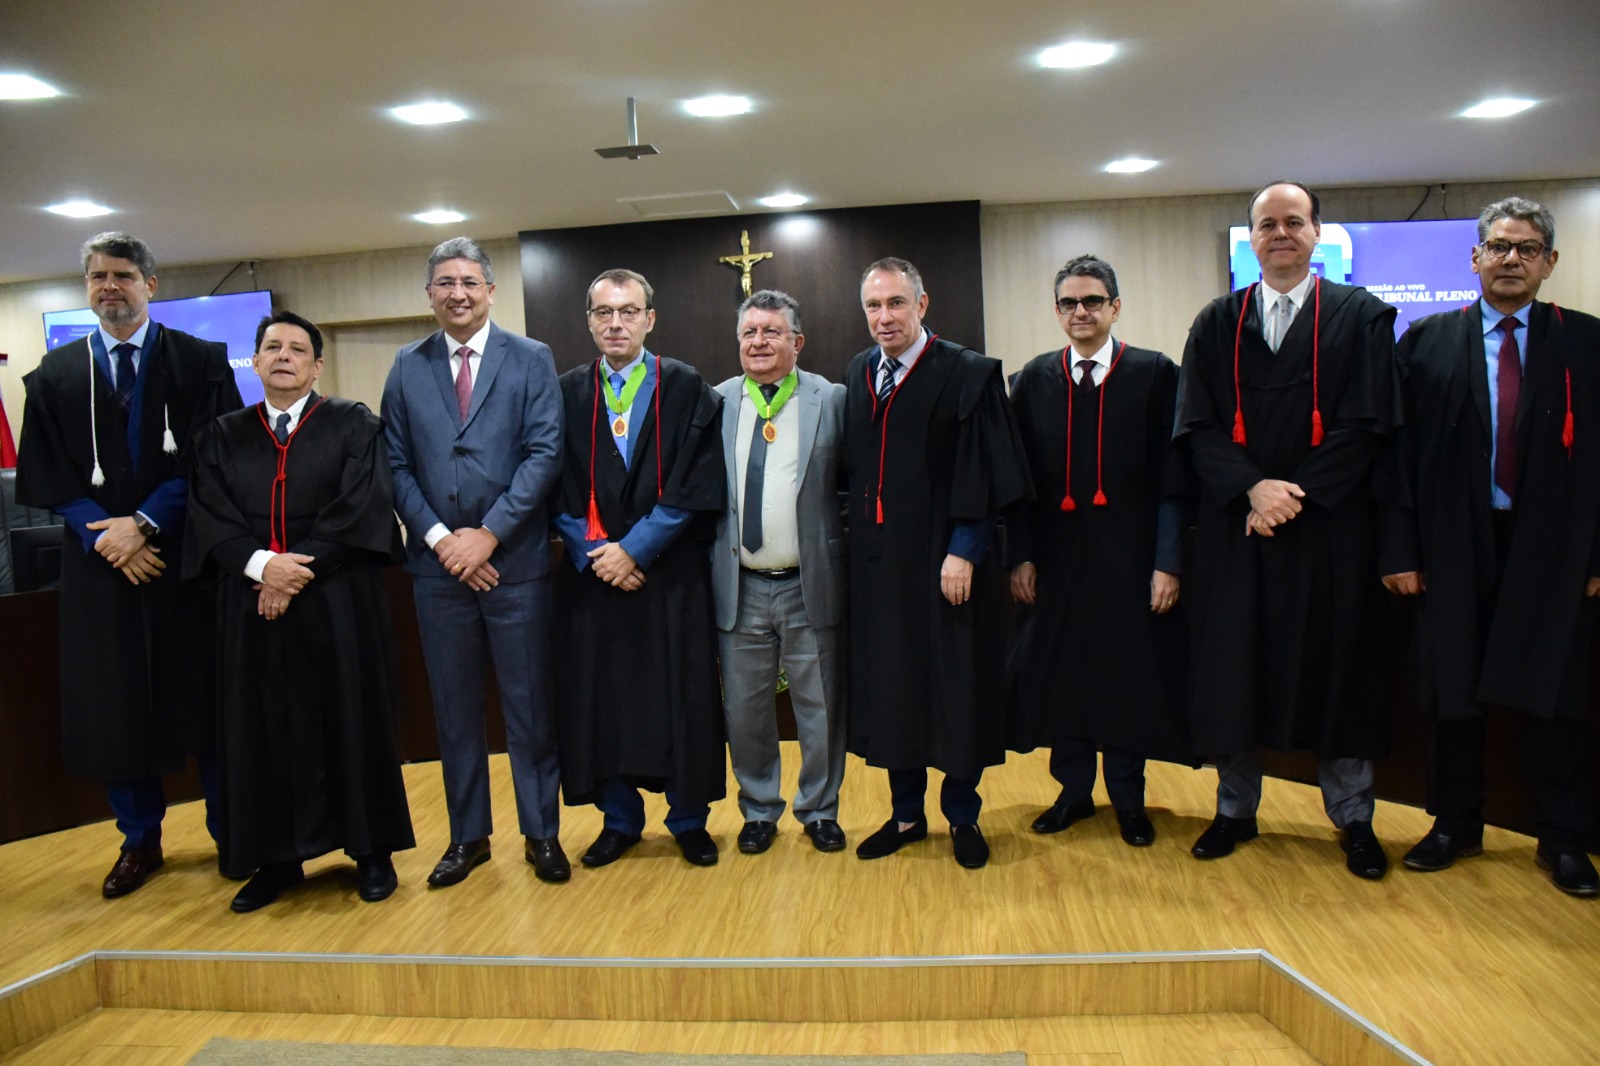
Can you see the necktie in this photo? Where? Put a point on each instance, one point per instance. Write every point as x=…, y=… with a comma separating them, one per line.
x=1086, y=373
x=1508, y=379
x=755, y=476
x=464, y=382
x=1282, y=316
x=125, y=375
x=889, y=368
x=281, y=430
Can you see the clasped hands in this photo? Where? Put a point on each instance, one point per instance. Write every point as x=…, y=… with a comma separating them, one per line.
x=124, y=547
x=465, y=556
x=612, y=564
x=1272, y=503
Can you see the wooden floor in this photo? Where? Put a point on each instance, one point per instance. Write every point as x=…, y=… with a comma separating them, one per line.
x=1483, y=963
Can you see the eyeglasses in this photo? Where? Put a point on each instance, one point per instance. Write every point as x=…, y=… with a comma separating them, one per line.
x=1501, y=249
x=771, y=334
x=1066, y=305
x=601, y=315
x=466, y=285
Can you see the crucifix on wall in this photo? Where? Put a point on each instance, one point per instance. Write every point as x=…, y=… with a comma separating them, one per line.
x=745, y=260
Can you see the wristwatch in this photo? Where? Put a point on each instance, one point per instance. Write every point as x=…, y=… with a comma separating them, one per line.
x=147, y=528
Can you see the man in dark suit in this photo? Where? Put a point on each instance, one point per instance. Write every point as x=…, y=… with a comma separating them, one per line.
x=1501, y=540
x=473, y=419
x=777, y=574
x=105, y=434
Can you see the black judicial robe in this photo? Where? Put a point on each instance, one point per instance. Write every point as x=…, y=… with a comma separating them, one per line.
x=1090, y=660
x=637, y=694
x=135, y=659
x=1289, y=646
x=307, y=703
x=927, y=679
x=1534, y=653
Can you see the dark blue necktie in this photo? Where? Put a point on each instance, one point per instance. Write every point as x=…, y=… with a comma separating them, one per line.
x=755, y=477
x=282, y=429
x=125, y=374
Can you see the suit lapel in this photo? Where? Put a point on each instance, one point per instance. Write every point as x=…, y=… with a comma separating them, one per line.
x=489, y=364
x=730, y=433
x=810, y=412
x=1477, y=367
x=1533, y=365
x=439, y=362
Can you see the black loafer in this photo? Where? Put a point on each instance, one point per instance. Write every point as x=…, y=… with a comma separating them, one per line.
x=1221, y=836
x=375, y=878
x=549, y=862
x=608, y=847
x=891, y=838
x=825, y=835
x=458, y=861
x=1571, y=871
x=757, y=837
x=268, y=883
x=1061, y=815
x=1439, y=849
x=698, y=847
x=1137, y=832
x=1363, y=855
x=972, y=851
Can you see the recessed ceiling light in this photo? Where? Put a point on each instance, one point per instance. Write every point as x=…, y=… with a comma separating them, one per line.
x=1498, y=107
x=1076, y=54
x=1129, y=166
x=439, y=217
x=717, y=106
x=784, y=199
x=25, y=87
x=78, y=209
x=428, y=114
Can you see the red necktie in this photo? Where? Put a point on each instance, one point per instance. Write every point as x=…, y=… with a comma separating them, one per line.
x=1508, y=379
x=464, y=382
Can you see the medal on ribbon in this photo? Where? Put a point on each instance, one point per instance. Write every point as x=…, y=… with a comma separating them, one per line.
x=768, y=412
x=621, y=405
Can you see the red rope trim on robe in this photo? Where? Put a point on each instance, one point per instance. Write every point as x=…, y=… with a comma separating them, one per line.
x=595, y=529
x=1567, y=434
x=278, y=509
x=1238, y=395
x=1316, y=367
x=1067, y=502
x=883, y=428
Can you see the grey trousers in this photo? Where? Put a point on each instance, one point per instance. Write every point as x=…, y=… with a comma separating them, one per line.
x=772, y=629
x=1346, y=787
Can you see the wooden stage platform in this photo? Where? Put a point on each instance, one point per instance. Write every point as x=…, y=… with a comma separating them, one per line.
x=799, y=952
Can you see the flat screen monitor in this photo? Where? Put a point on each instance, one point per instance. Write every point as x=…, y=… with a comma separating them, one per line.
x=36, y=558
x=1417, y=267
x=230, y=318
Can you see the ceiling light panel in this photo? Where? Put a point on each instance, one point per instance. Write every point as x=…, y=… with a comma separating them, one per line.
x=78, y=209
x=1130, y=166
x=25, y=87
x=717, y=106
x=439, y=217
x=785, y=199
x=1075, y=54
x=431, y=113
x=1498, y=107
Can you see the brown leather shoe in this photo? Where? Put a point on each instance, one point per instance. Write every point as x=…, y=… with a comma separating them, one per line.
x=128, y=875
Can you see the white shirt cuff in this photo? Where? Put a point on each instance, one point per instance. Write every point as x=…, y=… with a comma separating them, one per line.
x=435, y=535
x=257, y=566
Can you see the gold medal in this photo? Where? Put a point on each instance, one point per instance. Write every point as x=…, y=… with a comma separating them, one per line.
x=769, y=432
x=619, y=428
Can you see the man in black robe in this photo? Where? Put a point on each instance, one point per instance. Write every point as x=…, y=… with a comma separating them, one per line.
x=642, y=485
x=1288, y=395
x=1501, y=540
x=932, y=457
x=105, y=433
x=1097, y=651
x=291, y=510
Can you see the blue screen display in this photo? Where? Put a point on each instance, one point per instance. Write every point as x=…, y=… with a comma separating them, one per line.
x=1416, y=267
x=230, y=318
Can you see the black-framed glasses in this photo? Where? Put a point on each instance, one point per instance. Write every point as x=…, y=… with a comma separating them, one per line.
x=602, y=315
x=1066, y=305
x=1498, y=249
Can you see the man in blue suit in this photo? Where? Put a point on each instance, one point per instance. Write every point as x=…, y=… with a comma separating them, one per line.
x=473, y=420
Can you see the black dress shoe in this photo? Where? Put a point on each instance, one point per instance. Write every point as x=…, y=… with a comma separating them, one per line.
x=1439, y=849
x=1221, y=835
x=130, y=870
x=608, y=847
x=825, y=835
x=757, y=837
x=1571, y=871
x=1061, y=815
x=375, y=878
x=972, y=851
x=266, y=885
x=548, y=860
x=698, y=847
x=891, y=838
x=1363, y=855
x=458, y=861
x=1137, y=832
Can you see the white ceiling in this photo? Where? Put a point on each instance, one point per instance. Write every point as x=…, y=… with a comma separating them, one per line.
x=231, y=129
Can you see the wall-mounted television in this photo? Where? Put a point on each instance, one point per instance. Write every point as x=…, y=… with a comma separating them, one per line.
x=230, y=318
x=1418, y=267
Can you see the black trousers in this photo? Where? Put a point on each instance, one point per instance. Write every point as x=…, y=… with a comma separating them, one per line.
x=1072, y=764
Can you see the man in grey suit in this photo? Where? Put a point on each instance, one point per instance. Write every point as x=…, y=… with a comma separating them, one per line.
x=778, y=573
x=473, y=420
